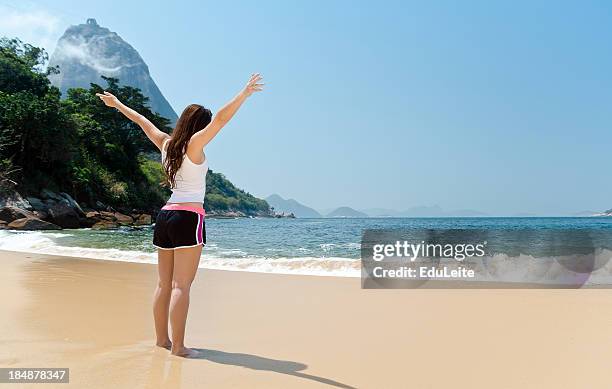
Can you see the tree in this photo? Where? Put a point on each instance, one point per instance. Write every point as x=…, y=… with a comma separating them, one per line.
x=35, y=132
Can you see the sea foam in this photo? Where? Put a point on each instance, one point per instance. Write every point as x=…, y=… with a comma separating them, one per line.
x=43, y=243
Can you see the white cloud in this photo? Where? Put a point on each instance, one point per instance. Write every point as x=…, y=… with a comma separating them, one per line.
x=89, y=53
x=35, y=26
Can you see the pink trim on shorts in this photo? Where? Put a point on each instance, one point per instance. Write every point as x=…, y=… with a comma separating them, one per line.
x=178, y=207
x=199, y=236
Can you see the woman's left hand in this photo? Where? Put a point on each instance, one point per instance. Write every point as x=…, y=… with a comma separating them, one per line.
x=254, y=84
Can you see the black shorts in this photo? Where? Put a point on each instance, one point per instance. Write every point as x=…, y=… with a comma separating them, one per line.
x=176, y=229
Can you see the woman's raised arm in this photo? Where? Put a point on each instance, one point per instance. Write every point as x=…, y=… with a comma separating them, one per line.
x=154, y=134
x=225, y=114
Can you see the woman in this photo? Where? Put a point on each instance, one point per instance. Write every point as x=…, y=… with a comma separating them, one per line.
x=179, y=229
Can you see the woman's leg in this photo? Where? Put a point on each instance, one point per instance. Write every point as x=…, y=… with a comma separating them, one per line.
x=161, y=297
x=185, y=266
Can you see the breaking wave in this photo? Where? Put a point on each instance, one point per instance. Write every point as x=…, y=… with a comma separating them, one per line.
x=45, y=243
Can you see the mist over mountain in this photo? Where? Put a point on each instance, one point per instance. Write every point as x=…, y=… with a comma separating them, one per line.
x=88, y=51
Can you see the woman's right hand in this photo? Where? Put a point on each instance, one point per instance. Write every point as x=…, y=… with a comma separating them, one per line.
x=109, y=99
x=253, y=85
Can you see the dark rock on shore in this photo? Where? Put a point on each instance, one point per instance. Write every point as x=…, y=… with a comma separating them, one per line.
x=105, y=225
x=122, y=219
x=11, y=213
x=284, y=215
x=59, y=210
x=36, y=203
x=238, y=214
x=101, y=220
x=52, y=210
x=226, y=214
x=64, y=216
x=142, y=219
x=46, y=194
x=73, y=204
x=11, y=198
x=32, y=223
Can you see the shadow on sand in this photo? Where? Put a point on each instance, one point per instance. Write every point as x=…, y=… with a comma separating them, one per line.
x=261, y=363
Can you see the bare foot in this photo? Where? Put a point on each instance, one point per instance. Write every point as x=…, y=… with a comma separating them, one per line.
x=167, y=344
x=185, y=352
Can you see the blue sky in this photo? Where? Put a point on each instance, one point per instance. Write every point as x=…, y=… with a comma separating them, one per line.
x=502, y=107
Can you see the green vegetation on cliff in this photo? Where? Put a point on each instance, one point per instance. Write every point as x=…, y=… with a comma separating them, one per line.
x=79, y=146
x=222, y=196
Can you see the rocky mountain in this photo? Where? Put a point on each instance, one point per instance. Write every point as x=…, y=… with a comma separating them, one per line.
x=346, y=212
x=291, y=206
x=87, y=51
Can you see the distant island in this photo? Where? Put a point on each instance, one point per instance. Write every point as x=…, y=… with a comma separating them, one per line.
x=291, y=206
x=303, y=211
x=345, y=212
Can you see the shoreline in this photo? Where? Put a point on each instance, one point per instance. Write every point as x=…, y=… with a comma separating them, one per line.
x=286, y=331
x=280, y=266
x=200, y=268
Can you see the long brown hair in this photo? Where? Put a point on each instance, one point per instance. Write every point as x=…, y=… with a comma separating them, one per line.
x=193, y=119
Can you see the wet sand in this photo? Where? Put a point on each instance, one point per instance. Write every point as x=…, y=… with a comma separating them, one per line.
x=279, y=331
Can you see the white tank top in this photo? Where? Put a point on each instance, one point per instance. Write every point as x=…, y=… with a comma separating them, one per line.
x=190, y=180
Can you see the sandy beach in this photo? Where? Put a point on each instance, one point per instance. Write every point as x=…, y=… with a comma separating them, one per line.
x=279, y=331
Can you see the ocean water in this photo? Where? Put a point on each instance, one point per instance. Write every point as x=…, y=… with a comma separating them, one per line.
x=291, y=246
